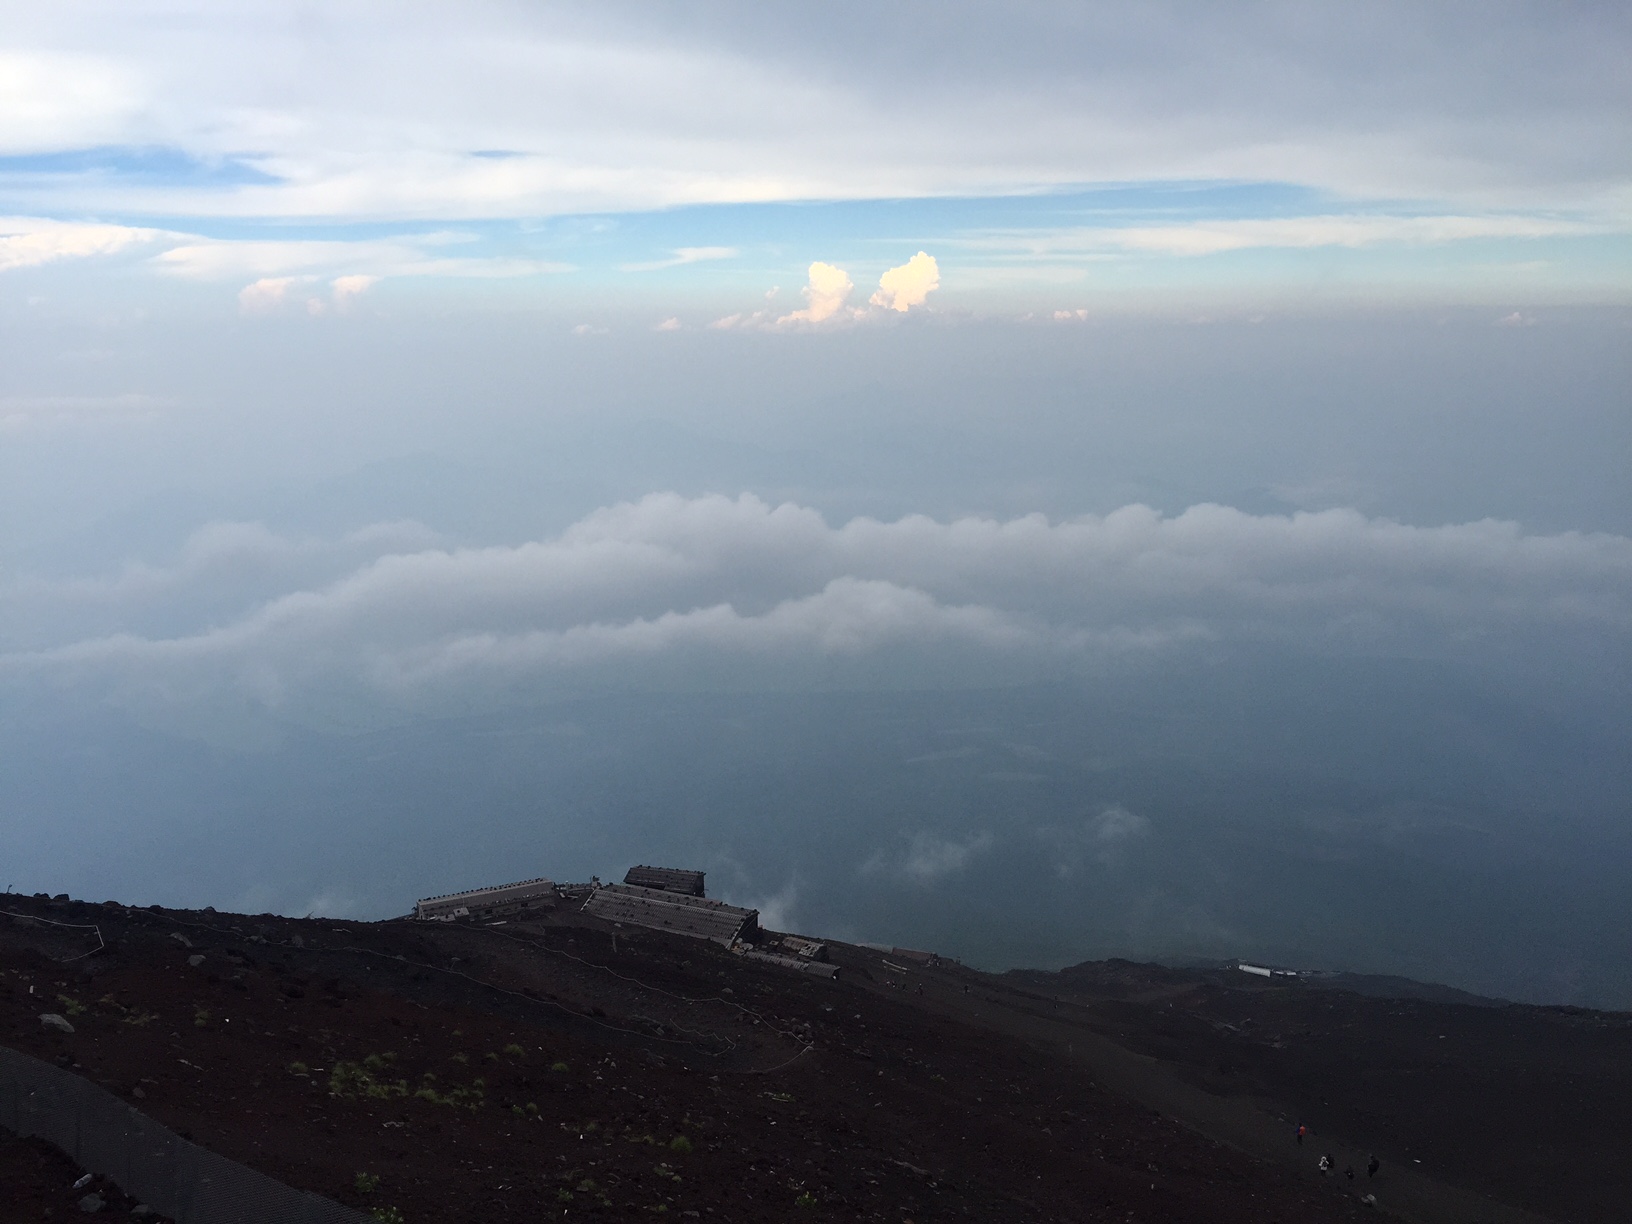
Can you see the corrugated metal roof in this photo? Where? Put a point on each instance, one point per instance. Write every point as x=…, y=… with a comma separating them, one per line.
x=670, y=879
x=819, y=968
x=676, y=913
x=483, y=898
x=809, y=949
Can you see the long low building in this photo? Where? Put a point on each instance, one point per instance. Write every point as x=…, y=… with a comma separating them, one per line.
x=488, y=902
x=797, y=964
x=677, y=913
x=669, y=879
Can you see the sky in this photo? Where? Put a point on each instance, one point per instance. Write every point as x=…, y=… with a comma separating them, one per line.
x=1166, y=464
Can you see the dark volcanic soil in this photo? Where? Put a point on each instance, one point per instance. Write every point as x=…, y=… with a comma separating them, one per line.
x=1531, y=1105
x=558, y=1068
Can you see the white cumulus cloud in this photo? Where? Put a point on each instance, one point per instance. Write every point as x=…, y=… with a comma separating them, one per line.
x=909, y=285
x=348, y=289
x=826, y=294
x=266, y=295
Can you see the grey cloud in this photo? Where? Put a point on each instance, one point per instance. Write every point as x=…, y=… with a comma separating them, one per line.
x=223, y=571
x=928, y=857
x=1103, y=837
x=618, y=106
x=718, y=593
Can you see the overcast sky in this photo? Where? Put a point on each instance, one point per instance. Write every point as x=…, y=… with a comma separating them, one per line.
x=1046, y=154
x=363, y=366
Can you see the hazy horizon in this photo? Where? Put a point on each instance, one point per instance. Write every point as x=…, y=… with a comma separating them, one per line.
x=1042, y=483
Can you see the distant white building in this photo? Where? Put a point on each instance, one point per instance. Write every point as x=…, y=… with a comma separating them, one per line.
x=1266, y=971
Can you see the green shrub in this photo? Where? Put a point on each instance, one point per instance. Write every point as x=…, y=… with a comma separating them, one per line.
x=349, y=1080
x=472, y=1098
x=367, y=1183
x=680, y=1144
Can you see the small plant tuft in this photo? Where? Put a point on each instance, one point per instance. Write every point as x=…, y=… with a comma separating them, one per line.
x=349, y=1079
x=680, y=1144
x=367, y=1183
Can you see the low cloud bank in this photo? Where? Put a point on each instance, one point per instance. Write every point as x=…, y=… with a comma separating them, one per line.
x=713, y=592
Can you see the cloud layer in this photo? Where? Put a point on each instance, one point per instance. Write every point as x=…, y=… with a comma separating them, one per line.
x=28, y=242
x=502, y=110
x=714, y=592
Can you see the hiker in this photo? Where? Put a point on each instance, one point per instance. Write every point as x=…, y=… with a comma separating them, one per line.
x=1372, y=1166
x=1326, y=1164
x=1301, y=1130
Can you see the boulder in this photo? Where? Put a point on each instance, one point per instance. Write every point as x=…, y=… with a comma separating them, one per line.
x=53, y=1022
